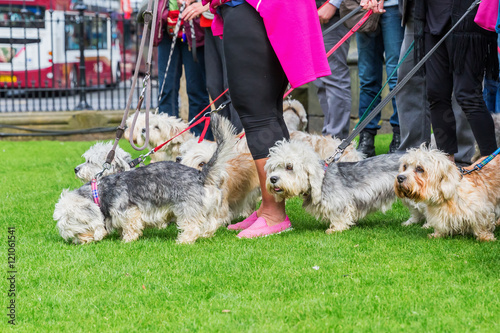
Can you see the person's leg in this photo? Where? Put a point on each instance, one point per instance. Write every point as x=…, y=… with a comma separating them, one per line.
x=465, y=138
x=169, y=97
x=439, y=83
x=393, y=34
x=196, y=87
x=215, y=68
x=370, y=63
x=334, y=91
x=257, y=83
x=413, y=107
x=468, y=92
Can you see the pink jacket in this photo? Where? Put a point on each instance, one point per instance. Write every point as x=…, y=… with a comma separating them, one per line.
x=295, y=34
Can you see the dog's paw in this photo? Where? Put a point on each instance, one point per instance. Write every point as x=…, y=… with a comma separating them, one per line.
x=486, y=237
x=408, y=222
x=335, y=229
x=426, y=226
x=435, y=235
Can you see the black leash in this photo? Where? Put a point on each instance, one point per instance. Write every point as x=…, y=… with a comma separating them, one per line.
x=343, y=145
x=342, y=20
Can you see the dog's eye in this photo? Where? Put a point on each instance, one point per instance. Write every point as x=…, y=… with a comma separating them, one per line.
x=404, y=167
x=178, y=159
x=289, y=167
x=201, y=164
x=419, y=169
x=156, y=128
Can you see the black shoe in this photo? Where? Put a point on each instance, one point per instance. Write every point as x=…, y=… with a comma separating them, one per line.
x=395, y=143
x=366, y=144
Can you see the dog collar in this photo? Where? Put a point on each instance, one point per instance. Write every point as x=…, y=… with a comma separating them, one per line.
x=95, y=193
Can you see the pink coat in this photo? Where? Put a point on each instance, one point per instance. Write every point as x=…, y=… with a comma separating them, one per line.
x=295, y=34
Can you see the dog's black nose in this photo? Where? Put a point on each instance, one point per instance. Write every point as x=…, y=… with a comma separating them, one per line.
x=401, y=178
x=143, y=130
x=273, y=179
x=77, y=169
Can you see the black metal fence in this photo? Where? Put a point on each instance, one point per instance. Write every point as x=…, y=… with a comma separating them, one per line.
x=68, y=60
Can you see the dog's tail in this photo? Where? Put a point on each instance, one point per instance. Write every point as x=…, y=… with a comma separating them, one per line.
x=214, y=172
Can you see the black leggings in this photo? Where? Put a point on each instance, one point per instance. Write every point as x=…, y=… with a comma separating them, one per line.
x=255, y=77
x=468, y=90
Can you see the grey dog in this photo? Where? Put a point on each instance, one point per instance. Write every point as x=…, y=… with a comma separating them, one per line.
x=151, y=196
x=342, y=193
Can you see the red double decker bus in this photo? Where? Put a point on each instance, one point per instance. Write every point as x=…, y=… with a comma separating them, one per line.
x=40, y=44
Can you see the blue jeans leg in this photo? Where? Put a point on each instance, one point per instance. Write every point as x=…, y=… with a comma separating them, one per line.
x=393, y=35
x=169, y=98
x=196, y=86
x=370, y=62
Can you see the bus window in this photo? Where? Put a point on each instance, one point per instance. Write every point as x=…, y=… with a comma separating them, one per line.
x=18, y=16
x=95, y=34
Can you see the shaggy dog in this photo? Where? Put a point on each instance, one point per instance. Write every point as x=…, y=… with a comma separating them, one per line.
x=150, y=196
x=496, y=121
x=95, y=157
x=136, y=132
x=163, y=127
x=455, y=204
x=326, y=146
x=241, y=191
x=342, y=194
x=295, y=115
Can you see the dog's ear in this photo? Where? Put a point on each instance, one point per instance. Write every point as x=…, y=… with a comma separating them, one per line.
x=316, y=174
x=449, y=181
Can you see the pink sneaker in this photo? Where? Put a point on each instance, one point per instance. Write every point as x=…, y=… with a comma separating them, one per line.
x=245, y=223
x=260, y=228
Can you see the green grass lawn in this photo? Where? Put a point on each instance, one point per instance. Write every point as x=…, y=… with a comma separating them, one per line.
x=376, y=277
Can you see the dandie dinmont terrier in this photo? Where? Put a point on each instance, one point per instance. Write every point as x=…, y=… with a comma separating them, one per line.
x=163, y=127
x=455, y=204
x=241, y=191
x=326, y=146
x=295, y=115
x=95, y=157
x=342, y=194
x=150, y=196
x=136, y=132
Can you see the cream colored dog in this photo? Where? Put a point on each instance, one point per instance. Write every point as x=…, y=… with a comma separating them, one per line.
x=136, y=132
x=163, y=127
x=295, y=115
x=241, y=191
x=326, y=146
x=455, y=204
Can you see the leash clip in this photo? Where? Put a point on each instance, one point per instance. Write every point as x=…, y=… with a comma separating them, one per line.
x=105, y=166
x=140, y=160
x=335, y=157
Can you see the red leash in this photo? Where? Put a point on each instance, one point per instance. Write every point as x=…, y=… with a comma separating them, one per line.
x=340, y=42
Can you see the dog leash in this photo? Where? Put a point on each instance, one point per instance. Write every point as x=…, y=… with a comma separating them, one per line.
x=205, y=118
x=172, y=47
x=150, y=18
x=480, y=165
x=342, y=20
x=343, y=145
x=340, y=42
